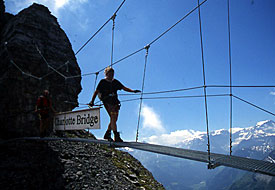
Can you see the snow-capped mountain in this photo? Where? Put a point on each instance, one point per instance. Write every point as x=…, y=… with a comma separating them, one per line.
x=262, y=129
x=253, y=142
x=219, y=139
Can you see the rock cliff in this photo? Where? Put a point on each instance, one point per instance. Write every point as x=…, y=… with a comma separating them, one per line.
x=70, y=165
x=35, y=54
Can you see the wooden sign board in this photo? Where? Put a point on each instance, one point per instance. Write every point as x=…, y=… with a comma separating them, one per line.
x=77, y=120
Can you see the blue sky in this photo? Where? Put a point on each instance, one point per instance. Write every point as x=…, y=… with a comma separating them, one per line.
x=174, y=61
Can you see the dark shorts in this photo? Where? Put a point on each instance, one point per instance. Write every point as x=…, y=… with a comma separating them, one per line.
x=44, y=116
x=112, y=109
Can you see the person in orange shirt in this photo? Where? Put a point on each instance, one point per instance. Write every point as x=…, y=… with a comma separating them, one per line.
x=43, y=108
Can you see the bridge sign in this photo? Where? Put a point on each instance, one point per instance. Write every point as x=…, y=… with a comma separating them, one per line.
x=77, y=120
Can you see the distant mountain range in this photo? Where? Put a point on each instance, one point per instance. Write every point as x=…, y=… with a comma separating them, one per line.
x=256, y=142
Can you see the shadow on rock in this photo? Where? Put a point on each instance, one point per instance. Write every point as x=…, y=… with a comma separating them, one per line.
x=30, y=165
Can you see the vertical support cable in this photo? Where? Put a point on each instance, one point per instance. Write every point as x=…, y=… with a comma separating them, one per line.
x=96, y=75
x=230, y=64
x=141, y=96
x=113, y=32
x=204, y=87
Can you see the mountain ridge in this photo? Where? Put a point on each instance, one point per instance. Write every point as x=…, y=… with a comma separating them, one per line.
x=197, y=140
x=252, y=142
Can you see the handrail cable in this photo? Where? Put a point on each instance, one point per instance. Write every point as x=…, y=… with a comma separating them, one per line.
x=240, y=86
x=128, y=100
x=49, y=73
x=253, y=105
x=93, y=73
x=175, y=97
x=44, y=59
x=17, y=66
x=215, y=86
x=165, y=91
x=127, y=56
x=172, y=90
x=163, y=97
x=11, y=61
x=142, y=89
x=196, y=87
x=204, y=83
x=83, y=75
x=175, y=90
x=169, y=97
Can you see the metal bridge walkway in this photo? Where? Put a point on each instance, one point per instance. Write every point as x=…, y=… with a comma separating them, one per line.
x=242, y=163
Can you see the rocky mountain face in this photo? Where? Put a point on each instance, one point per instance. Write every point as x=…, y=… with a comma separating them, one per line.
x=256, y=142
x=35, y=54
x=63, y=165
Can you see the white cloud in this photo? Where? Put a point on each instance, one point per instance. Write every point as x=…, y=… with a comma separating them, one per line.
x=151, y=120
x=181, y=136
x=272, y=93
x=54, y=5
x=174, y=138
x=60, y=3
x=152, y=123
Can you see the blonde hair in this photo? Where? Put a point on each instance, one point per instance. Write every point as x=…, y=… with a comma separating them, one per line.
x=108, y=69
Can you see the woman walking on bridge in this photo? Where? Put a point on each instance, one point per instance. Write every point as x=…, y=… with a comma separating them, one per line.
x=107, y=93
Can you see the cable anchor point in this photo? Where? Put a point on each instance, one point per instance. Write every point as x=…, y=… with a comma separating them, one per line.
x=113, y=17
x=147, y=47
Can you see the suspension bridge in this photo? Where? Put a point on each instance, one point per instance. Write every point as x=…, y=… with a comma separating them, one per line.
x=213, y=159
x=248, y=164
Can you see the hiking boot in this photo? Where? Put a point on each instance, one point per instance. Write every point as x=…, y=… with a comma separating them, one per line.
x=107, y=135
x=117, y=137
